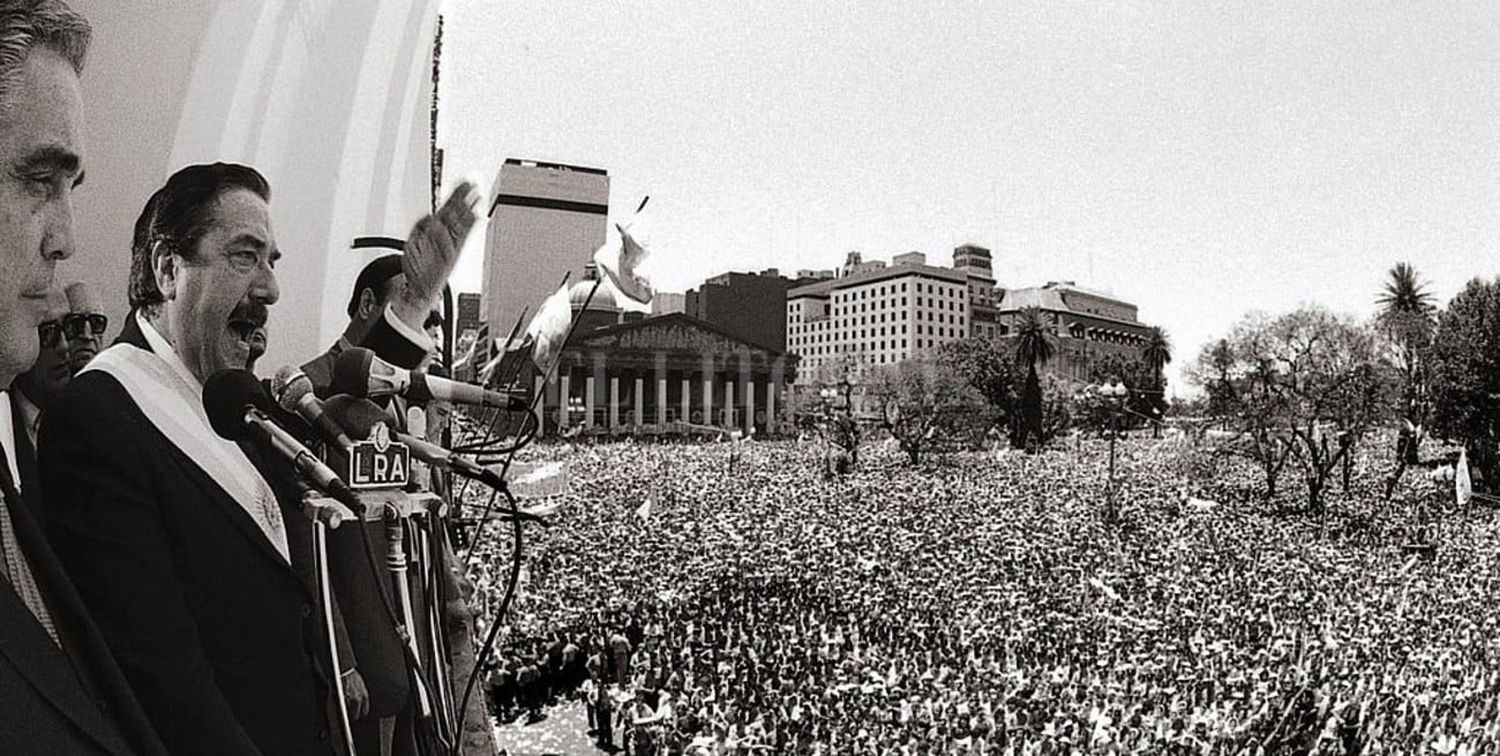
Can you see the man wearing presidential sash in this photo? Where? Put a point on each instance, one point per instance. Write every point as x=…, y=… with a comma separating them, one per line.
x=177, y=539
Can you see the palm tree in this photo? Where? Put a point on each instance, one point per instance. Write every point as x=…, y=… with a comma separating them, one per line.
x=1408, y=316
x=1157, y=353
x=1033, y=348
x=1404, y=294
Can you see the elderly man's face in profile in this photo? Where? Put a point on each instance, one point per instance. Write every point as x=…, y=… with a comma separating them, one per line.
x=41, y=156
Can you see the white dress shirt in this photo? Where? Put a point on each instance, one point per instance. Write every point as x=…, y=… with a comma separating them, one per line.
x=8, y=438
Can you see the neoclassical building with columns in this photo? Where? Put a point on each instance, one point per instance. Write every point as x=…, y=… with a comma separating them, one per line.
x=621, y=374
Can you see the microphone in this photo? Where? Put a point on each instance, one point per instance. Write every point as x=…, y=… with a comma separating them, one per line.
x=237, y=405
x=360, y=415
x=294, y=393
x=359, y=373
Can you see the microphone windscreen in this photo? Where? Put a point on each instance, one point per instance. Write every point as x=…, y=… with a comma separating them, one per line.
x=351, y=372
x=289, y=387
x=226, y=394
x=356, y=415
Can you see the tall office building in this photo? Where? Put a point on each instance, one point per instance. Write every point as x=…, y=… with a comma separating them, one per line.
x=546, y=219
x=879, y=315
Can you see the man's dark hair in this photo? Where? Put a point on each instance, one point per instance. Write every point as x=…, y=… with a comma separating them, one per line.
x=375, y=275
x=178, y=215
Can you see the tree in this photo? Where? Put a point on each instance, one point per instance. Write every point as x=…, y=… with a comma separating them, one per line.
x=1404, y=294
x=1405, y=321
x=1305, y=386
x=927, y=406
x=986, y=367
x=1217, y=360
x=1157, y=354
x=1242, y=395
x=1465, y=375
x=1033, y=349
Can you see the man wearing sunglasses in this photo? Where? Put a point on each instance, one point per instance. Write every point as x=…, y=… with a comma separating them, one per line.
x=83, y=326
x=32, y=393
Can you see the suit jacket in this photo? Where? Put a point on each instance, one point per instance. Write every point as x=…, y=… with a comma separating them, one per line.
x=52, y=700
x=320, y=369
x=383, y=339
x=214, y=630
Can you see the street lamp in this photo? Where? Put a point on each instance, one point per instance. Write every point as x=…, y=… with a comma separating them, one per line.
x=1114, y=395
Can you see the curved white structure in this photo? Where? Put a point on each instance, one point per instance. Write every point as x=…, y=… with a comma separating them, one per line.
x=330, y=100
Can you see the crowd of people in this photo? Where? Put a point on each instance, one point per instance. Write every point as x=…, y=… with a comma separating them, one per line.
x=981, y=604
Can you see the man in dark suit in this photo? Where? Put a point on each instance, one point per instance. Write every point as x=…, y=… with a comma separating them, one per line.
x=32, y=392
x=373, y=287
x=184, y=545
x=389, y=727
x=60, y=689
x=178, y=539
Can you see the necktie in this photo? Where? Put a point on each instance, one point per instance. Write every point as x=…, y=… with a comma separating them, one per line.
x=17, y=569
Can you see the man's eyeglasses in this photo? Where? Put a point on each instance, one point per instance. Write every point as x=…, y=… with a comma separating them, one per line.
x=74, y=323
x=71, y=325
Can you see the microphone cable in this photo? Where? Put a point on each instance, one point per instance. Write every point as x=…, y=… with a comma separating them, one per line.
x=486, y=650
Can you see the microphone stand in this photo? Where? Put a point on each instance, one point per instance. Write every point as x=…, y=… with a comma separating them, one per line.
x=322, y=510
x=395, y=564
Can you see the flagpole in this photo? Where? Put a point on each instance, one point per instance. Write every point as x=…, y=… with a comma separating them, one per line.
x=510, y=339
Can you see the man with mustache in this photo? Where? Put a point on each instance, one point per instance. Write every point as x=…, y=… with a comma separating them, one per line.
x=177, y=538
x=60, y=689
x=187, y=545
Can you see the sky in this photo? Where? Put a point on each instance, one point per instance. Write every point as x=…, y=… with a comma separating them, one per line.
x=1202, y=160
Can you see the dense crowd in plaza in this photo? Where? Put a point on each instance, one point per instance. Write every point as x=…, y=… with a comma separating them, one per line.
x=979, y=602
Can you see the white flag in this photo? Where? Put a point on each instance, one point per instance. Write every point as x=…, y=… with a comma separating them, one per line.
x=644, y=510
x=1463, y=488
x=619, y=259
x=549, y=328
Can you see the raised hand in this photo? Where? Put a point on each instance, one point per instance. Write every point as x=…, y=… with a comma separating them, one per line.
x=431, y=252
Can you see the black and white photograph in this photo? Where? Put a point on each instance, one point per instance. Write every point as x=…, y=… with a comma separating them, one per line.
x=667, y=378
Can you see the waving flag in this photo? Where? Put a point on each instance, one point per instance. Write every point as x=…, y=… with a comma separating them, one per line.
x=1463, y=487
x=549, y=329
x=620, y=259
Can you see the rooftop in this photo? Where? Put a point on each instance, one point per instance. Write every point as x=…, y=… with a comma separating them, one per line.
x=556, y=166
x=823, y=288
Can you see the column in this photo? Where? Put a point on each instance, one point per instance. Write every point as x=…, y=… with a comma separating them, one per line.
x=749, y=407
x=640, y=402
x=729, y=404
x=596, y=387
x=661, y=400
x=771, y=407
x=659, y=373
x=747, y=391
x=708, y=399
x=564, y=396
x=588, y=402
x=687, y=394
x=708, y=391
x=614, y=400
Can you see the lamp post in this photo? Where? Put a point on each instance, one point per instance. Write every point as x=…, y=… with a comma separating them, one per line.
x=1114, y=394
